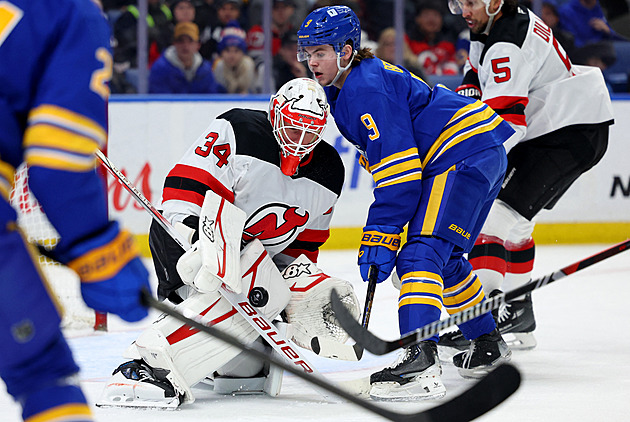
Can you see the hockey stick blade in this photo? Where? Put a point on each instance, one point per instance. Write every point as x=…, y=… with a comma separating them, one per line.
x=481, y=397
x=379, y=346
x=333, y=349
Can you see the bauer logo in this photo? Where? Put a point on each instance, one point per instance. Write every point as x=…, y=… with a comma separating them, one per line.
x=373, y=238
x=459, y=230
x=120, y=198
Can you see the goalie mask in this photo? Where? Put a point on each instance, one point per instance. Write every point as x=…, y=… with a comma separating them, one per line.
x=298, y=113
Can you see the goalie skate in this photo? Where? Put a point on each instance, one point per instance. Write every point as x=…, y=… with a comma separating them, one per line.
x=135, y=384
x=416, y=375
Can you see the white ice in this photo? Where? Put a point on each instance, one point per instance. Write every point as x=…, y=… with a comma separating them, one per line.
x=580, y=370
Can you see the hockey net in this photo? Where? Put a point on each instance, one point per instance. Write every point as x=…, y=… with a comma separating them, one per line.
x=63, y=281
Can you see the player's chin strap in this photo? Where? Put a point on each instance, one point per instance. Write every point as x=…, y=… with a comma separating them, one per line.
x=340, y=69
x=491, y=16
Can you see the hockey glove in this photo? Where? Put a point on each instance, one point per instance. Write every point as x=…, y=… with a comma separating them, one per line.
x=469, y=90
x=111, y=272
x=379, y=246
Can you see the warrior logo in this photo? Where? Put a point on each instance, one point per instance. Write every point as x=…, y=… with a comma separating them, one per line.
x=274, y=224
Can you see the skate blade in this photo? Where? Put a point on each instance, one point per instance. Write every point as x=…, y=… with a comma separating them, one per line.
x=130, y=402
x=482, y=371
x=520, y=341
x=427, y=386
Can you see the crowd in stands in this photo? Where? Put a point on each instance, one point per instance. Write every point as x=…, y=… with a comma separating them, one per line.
x=217, y=46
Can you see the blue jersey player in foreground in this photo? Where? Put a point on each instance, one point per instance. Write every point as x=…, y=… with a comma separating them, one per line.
x=438, y=161
x=55, y=68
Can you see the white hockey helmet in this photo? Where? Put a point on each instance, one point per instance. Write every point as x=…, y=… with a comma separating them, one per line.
x=298, y=113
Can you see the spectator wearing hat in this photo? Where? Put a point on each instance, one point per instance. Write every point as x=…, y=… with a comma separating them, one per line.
x=226, y=11
x=234, y=69
x=285, y=63
x=181, y=69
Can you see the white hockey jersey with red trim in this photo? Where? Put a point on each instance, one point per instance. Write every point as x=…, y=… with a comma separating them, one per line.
x=527, y=78
x=238, y=158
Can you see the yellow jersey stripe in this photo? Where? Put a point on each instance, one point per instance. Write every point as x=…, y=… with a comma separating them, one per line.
x=396, y=169
x=407, y=154
x=420, y=301
x=435, y=200
x=58, y=116
x=64, y=413
x=59, y=161
x=422, y=274
x=461, y=285
x=402, y=179
x=6, y=178
x=47, y=136
x=420, y=287
x=469, y=134
x=454, y=309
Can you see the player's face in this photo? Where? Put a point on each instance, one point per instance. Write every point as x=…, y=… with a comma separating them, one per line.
x=322, y=60
x=474, y=12
x=294, y=137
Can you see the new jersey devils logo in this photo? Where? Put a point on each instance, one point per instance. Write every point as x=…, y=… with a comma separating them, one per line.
x=274, y=224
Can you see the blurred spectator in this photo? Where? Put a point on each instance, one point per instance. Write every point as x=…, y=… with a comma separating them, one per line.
x=386, y=50
x=183, y=11
x=125, y=33
x=234, y=69
x=281, y=24
x=549, y=15
x=429, y=40
x=586, y=21
x=285, y=63
x=212, y=26
x=379, y=14
x=181, y=69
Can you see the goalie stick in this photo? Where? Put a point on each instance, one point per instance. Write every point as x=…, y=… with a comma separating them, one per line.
x=281, y=344
x=483, y=396
x=335, y=350
x=380, y=347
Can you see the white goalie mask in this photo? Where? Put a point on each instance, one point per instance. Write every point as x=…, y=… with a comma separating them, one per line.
x=298, y=113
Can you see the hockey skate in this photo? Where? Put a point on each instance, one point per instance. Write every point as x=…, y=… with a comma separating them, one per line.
x=484, y=354
x=136, y=384
x=416, y=375
x=515, y=321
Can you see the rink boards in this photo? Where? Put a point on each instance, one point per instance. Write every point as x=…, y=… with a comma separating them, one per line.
x=149, y=134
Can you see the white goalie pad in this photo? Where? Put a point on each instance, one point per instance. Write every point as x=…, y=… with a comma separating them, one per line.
x=189, y=355
x=310, y=312
x=215, y=257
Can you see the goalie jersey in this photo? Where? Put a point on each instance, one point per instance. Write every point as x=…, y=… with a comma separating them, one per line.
x=525, y=75
x=238, y=158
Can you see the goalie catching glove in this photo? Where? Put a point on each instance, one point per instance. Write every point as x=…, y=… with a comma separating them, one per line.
x=111, y=272
x=310, y=311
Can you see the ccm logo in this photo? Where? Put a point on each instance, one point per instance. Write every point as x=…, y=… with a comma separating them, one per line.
x=271, y=332
x=459, y=230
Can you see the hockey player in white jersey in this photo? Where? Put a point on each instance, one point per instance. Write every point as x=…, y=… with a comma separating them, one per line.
x=273, y=169
x=561, y=113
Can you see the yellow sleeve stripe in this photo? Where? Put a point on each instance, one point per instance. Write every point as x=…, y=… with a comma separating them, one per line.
x=402, y=179
x=106, y=261
x=6, y=178
x=397, y=169
x=64, y=118
x=59, y=160
x=472, y=114
x=48, y=136
x=410, y=153
x=66, y=412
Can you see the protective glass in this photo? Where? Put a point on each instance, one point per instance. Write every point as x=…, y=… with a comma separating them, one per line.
x=319, y=54
x=455, y=6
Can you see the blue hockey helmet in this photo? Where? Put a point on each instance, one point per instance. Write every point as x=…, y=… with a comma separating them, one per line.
x=333, y=25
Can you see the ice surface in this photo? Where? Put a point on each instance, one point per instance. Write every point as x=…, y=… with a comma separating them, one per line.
x=580, y=370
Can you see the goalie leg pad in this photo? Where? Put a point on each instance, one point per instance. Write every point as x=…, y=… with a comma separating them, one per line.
x=310, y=311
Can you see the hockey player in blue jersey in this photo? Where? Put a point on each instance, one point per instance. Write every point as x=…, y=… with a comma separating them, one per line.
x=438, y=161
x=55, y=68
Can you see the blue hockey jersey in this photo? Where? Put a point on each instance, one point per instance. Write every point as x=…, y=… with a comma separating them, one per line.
x=53, y=108
x=406, y=131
